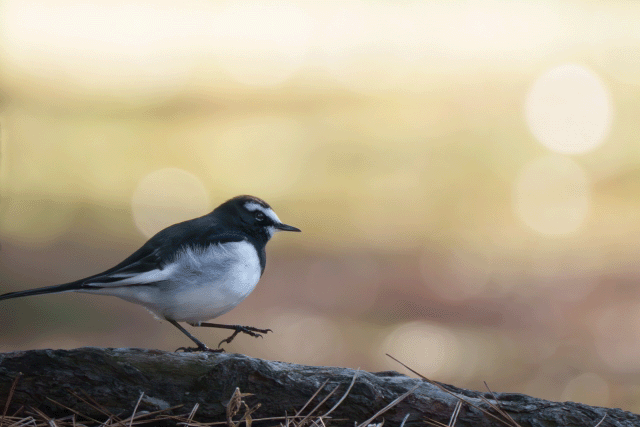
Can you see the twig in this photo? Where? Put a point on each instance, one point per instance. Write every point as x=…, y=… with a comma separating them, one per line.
x=192, y=414
x=217, y=423
x=14, y=384
x=344, y=396
x=95, y=405
x=451, y=393
x=497, y=407
x=435, y=423
x=301, y=423
x=390, y=405
x=454, y=415
x=133, y=414
x=24, y=422
x=148, y=414
x=73, y=410
x=246, y=417
x=311, y=398
x=605, y=416
x=42, y=415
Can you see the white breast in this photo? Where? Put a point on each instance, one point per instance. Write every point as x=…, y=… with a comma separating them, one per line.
x=198, y=285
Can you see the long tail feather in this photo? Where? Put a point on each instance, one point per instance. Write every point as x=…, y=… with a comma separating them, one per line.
x=39, y=291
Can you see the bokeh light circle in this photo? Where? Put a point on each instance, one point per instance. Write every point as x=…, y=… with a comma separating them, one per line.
x=552, y=195
x=165, y=197
x=569, y=110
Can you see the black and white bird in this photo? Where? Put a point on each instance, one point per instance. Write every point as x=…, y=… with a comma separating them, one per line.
x=192, y=271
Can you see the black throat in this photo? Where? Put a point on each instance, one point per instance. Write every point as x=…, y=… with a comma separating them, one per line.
x=259, y=240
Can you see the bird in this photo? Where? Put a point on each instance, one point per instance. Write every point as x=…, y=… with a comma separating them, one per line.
x=192, y=271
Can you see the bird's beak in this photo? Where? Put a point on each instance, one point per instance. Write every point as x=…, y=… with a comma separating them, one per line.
x=285, y=227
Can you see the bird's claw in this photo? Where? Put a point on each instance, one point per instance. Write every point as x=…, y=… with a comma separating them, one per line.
x=254, y=332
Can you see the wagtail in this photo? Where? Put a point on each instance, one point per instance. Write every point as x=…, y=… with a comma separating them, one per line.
x=192, y=271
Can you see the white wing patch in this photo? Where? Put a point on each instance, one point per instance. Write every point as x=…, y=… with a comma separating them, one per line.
x=151, y=276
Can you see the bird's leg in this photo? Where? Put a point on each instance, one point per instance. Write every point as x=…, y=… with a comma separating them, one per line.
x=249, y=330
x=201, y=346
x=229, y=339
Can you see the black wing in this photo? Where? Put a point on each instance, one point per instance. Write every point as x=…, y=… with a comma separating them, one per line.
x=156, y=253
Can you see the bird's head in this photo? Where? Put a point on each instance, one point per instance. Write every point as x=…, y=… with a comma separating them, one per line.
x=252, y=215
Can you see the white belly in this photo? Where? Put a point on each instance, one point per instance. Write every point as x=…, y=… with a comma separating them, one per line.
x=199, y=285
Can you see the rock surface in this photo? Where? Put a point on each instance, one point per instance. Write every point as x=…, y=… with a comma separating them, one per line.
x=116, y=378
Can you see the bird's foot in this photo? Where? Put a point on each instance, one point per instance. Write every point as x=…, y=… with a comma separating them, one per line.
x=203, y=348
x=249, y=330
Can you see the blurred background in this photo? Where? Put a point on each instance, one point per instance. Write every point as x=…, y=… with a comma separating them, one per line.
x=466, y=176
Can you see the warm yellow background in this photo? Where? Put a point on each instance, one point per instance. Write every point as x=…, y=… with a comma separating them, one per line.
x=466, y=176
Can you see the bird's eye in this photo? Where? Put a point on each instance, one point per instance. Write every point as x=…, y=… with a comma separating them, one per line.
x=259, y=216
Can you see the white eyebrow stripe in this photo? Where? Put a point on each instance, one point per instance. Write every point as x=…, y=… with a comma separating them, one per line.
x=251, y=207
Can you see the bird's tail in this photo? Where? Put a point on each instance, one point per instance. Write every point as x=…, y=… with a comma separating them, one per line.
x=39, y=291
